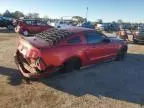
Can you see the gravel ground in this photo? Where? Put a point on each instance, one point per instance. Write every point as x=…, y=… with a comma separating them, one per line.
x=111, y=84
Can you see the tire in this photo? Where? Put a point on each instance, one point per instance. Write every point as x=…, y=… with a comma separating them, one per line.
x=135, y=41
x=70, y=65
x=121, y=54
x=25, y=33
x=10, y=27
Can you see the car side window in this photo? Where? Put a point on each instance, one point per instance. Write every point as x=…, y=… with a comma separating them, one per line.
x=94, y=37
x=33, y=23
x=74, y=40
x=28, y=22
x=40, y=23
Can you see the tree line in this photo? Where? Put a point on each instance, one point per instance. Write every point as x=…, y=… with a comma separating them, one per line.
x=19, y=14
x=77, y=19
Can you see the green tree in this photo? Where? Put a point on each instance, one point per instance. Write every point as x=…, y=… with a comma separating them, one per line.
x=17, y=14
x=7, y=14
x=120, y=21
x=100, y=21
x=33, y=15
x=94, y=23
x=113, y=22
x=46, y=18
x=79, y=19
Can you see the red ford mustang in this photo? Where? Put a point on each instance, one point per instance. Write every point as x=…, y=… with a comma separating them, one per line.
x=64, y=50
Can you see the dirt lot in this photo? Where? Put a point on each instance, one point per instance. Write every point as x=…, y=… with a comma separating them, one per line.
x=106, y=85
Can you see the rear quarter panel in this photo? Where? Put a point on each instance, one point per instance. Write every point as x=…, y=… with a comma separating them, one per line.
x=57, y=56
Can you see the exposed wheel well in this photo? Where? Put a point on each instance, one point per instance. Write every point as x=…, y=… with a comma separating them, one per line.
x=76, y=60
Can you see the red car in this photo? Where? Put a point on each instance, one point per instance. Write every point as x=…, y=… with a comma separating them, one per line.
x=29, y=26
x=65, y=50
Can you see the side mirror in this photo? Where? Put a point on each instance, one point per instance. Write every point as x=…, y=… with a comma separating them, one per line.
x=106, y=40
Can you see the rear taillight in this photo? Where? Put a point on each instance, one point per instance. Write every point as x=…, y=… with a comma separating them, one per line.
x=32, y=54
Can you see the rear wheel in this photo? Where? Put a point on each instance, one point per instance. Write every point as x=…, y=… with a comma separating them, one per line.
x=70, y=65
x=25, y=33
x=10, y=27
x=121, y=54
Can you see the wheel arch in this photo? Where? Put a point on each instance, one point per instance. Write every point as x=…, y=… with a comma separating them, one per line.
x=76, y=57
x=23, y=29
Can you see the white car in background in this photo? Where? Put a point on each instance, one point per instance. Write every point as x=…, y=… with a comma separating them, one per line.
x=99, y=27
x=62, y=24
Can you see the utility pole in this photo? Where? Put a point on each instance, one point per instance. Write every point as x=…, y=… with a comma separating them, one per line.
x=86, y=13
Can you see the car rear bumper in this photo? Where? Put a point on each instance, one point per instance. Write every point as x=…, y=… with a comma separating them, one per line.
x=39, y=73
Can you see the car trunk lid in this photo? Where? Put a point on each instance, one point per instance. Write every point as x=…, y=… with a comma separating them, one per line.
x=37, y=42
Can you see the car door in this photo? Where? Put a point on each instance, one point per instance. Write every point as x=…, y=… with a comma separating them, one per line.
x=45, y=27
x=35, y=27
x=31, y=26
x=99, y=48
x=42, y=26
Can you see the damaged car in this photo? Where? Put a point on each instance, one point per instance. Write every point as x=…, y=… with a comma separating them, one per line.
x=65, y=50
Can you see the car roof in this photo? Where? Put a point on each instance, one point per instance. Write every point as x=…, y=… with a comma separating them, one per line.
x=77, y=29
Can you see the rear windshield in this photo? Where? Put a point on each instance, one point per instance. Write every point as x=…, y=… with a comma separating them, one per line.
x=53, y=36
